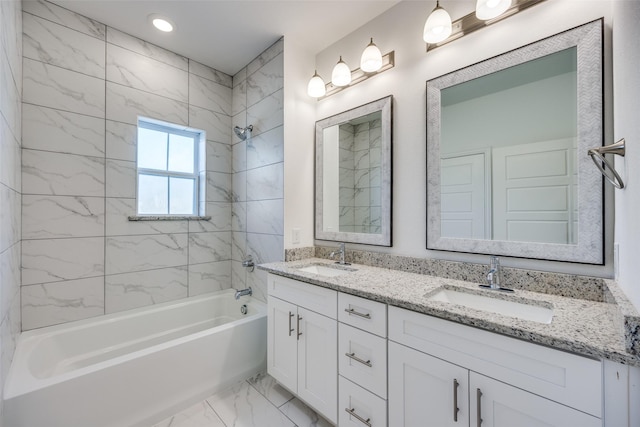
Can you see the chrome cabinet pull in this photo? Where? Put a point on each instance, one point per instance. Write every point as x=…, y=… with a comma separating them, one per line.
x=479, y=407
x=298, y=326
x=352, y=412
x=290, y=328
x=357, y=359
x=455, y=400
x=355, y=313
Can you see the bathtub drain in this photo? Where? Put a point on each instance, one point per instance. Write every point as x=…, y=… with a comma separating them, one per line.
x=243, y=309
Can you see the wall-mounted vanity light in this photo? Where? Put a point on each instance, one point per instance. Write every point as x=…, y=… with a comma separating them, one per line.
x=372, y=63
x=487, y=12
x=438, y=25
x=371, y=59
x=341, y=75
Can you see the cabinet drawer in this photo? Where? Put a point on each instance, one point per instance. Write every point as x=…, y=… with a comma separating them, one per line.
x=315, y=298
x=362, y=313
x=358, y=407
x=363, y=359
x=559, y=376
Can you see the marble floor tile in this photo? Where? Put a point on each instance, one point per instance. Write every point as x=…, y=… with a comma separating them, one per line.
x=243, y=406
x=302, y=415
x=269, y=388
x=199, y=415
x=257, y=402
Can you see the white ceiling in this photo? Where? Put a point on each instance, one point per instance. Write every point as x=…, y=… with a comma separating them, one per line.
x=228, y=34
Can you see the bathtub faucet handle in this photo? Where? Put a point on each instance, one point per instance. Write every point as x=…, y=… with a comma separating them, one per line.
x=248, y=263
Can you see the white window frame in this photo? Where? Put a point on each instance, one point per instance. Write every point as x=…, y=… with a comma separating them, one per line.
x=198, y=137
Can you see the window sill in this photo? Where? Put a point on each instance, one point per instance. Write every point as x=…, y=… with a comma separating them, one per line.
x=168, y=218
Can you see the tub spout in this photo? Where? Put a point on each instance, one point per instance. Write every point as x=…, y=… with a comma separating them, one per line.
x=243, y=292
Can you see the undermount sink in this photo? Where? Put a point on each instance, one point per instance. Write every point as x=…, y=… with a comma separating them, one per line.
x=326, y=270
x=532, y=312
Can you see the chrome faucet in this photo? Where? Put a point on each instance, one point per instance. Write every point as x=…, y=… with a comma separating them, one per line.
x=494, y=276
x=340, y=252
x=244, y=292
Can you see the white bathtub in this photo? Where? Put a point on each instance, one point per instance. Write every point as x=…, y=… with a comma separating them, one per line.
x=136, y=367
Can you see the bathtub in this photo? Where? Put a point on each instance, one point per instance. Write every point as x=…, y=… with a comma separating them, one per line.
x=137, y=367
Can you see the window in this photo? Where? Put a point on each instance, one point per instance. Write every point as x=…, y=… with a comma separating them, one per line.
x=168, y=169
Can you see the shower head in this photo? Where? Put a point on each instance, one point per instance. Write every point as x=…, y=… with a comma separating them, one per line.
x=243, y=133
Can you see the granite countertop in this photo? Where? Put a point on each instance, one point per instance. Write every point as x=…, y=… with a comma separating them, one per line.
x=579, y=326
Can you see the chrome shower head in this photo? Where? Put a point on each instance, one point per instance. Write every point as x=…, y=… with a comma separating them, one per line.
x=243, y=133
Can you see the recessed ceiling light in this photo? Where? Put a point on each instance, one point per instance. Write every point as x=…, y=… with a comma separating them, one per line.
x=161, y=23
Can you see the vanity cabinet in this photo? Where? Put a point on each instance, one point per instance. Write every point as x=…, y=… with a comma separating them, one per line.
x=424, y=390
x=302, y=337
x=362, y=356
x=439, y=369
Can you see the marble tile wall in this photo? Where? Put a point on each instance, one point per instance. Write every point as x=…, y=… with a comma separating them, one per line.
x=257, y=218
x=360, y=173
x=85, y=85
x=10, y=181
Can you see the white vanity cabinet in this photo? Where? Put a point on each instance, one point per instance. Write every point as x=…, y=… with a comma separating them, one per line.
x=362, y=356
x=302, y=337
x=426, y=391
x=439, y=369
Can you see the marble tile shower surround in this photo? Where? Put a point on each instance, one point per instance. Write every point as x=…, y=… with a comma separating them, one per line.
x=257, y=217
x=567, y=285
x=85, y=84
x=10, y=182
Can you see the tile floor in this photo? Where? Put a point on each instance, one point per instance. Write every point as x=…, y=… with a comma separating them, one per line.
x=257, y=402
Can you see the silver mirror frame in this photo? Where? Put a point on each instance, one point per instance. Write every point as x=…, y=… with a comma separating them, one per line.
x=590, y=247
x=384, y=238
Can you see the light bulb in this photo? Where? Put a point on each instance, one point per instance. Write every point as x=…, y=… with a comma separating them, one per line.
x=341, y=75
x=489, y=9
x=161, y=23
x=438, y=25
x=316, y=87
x=371, y=59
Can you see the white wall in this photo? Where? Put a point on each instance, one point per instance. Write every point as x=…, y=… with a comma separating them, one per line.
x=10, y=183
x=626, y=61
x=299, y=131
x=400, y=29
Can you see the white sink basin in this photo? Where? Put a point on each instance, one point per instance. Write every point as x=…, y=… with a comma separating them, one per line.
x=535, y=313
x=325, y=270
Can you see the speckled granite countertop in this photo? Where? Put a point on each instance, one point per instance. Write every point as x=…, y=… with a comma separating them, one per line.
x=584, y=327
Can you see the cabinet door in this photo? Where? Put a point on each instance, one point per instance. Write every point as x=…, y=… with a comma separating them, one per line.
x=426, y=391
x=318, y=362
x=496, y=404
x=282, y=344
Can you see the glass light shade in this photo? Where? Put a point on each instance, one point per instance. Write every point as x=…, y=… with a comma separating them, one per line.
x=316, y=87
x=341, y=75
x=371, y=59
x=489, y=9
x=438, y=25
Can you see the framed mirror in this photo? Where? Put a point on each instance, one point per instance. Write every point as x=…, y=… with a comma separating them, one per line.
x=507, y=140
x=353, y=175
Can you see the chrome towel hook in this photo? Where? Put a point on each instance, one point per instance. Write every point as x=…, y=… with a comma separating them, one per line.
x=607, y=169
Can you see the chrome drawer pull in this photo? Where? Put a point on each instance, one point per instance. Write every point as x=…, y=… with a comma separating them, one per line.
x=455, y=400
x=355, y=313
x=479, y=407
x=290, y=328
x=298, y=326
x=357, y=359
x=352, y=412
